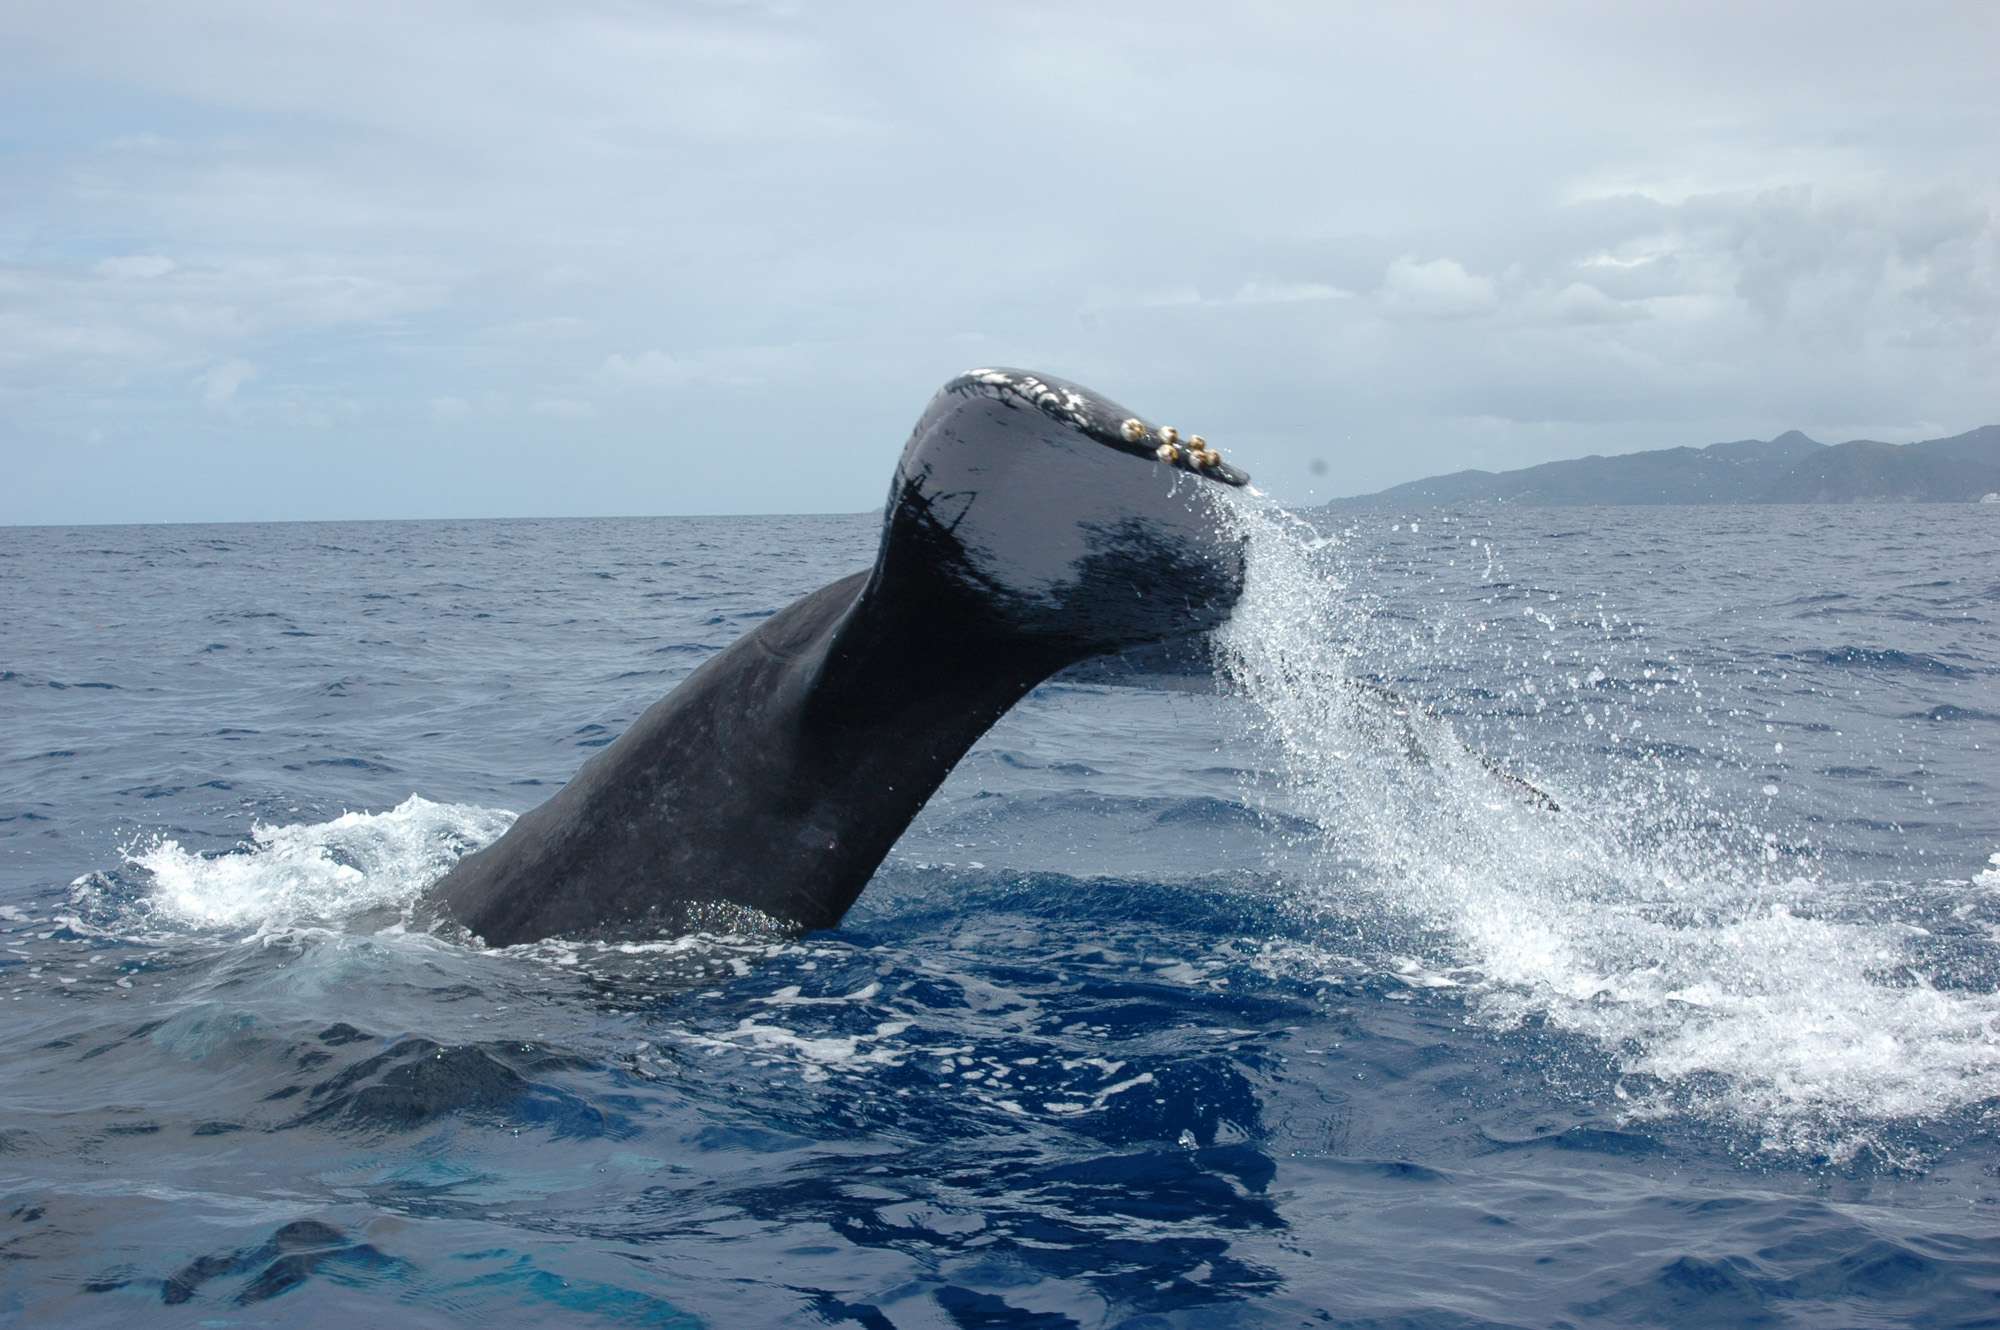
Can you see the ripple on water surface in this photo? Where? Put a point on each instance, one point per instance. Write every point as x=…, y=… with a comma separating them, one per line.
x=1178, y=1006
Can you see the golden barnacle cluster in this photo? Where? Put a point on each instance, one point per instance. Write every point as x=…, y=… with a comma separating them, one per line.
x=1199, y=455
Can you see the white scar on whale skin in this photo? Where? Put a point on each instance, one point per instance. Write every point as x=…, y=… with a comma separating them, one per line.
x=1067, y=402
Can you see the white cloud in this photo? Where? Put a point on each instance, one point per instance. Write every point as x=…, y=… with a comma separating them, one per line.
x=1580, y=302
x=135, y=265
x=554, y=328
x=1436, y=289
x=139, y=313
x=1286, y=293
x=76, y=341
x=1636, y=276
x=647, y=369
x=219, y=383
x=780, y=216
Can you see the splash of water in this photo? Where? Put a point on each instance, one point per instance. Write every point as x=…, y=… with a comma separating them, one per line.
x=1718, y=980
x=311, y=873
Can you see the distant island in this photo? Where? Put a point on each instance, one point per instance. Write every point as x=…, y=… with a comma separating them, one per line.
x=1791, y=468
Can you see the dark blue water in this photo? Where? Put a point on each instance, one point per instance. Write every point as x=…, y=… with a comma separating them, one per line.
x=1278, y=999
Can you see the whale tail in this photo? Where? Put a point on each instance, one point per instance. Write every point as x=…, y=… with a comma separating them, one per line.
x=1031, y=524
x=1032, y=512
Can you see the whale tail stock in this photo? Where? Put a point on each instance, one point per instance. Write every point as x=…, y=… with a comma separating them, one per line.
x=1030, y=524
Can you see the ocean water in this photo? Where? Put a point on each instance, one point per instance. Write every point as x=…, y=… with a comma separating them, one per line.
x=1534, y=918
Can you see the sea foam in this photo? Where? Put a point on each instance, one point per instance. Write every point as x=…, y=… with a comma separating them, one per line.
x=318, y=872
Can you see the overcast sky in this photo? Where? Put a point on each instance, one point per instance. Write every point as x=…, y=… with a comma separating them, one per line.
x=264, y=260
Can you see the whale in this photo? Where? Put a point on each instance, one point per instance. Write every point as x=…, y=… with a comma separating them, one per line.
x=1031, y=524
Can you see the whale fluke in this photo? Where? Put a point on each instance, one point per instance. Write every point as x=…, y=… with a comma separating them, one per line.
x=1031, y=524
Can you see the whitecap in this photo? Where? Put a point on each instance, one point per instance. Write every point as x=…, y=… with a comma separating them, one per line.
x=314, y=873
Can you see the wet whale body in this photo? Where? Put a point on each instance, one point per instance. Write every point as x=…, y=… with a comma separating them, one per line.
x=1031, y=524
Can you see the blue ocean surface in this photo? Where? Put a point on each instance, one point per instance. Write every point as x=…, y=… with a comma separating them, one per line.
x=1521, y=917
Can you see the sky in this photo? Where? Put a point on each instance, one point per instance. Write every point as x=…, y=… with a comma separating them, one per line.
x=461, y=259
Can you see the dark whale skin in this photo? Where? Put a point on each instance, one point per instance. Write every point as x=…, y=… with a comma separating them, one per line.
x=1027, y=529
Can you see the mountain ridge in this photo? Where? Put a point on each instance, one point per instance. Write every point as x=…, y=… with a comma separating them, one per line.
x=1791, y=468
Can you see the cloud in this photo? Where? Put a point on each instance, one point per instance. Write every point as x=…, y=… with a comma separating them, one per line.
x=795, y=225
x=1580, y=302
x=554, y=328
x=135, y=265
x=219, y=383
x=1436, y=289
x=647, y=369
x=723, y=367
x=1284, y=293
x=1256, y=291
x=71, y=341
x=1638, y=277
x=131, y=314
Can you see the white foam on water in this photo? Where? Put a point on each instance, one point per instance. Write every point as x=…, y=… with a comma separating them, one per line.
x=1989, y=878
x=314, y=873
x=1715, y=981
x=814, y=1055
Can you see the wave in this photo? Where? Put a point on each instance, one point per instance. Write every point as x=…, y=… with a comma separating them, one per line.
x=1945, y=711
x=1879, y=658
x=311, y=873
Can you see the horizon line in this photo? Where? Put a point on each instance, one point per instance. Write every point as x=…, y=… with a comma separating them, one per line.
x=513, y=517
